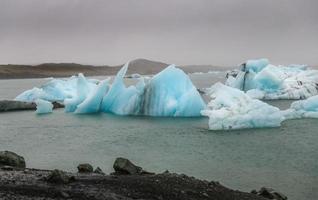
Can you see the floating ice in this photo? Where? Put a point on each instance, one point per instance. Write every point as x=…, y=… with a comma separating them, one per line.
x=263, y=80
x=231, y=108
x=122, y=100
x=82, y=88
x=169, y=93
x=43, y=106
x=303, y=109
x=54, y=90
x=94, y=99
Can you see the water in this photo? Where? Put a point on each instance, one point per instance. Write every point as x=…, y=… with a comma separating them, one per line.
x=284, y=158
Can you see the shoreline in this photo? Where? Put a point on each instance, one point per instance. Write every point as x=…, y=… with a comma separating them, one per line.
x=128, y=181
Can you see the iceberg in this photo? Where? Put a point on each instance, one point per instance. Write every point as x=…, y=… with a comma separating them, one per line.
x=266, y=81
x=122, y=100
x=54, y=90
x=231, y=108
x=93, y=101
x=43, y=106
x=170, y=93
x=303, y=109
x=82, y=89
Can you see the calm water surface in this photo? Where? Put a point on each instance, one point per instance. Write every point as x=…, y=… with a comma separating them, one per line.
x=284, y=158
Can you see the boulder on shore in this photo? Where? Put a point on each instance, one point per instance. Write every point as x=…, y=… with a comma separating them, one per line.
x=270, y=193
x=59, y=177
x=123, y=166
x=99, y=171
x=8, y=158
x=85, y=168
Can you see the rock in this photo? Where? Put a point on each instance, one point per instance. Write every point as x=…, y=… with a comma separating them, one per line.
x=7, y=168
x=12, y=159
x=124, y=166
x=57, y=105
x=85, y=168
x=11, y=105
x=59, y=177
x=269, y=193
x=99, y=171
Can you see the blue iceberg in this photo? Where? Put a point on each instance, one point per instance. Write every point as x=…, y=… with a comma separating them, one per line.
x=92, y=102
x=231, y=108
x=122, y=100
x=265, y=81
x=169, y=93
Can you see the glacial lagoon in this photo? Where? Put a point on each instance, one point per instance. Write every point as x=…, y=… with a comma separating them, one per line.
x=284, y=158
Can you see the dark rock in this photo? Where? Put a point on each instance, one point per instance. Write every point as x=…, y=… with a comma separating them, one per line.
x=57, y=105
x=269, y=193
x=85, y=168
x=11, y=105
x=59, y=177
x=99, y=171
x=7, y=168
x=124, y=166
x=12, y=159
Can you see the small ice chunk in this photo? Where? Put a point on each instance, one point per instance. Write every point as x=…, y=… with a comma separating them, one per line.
x=231, y=108
x=303, y=109
x=43, y=106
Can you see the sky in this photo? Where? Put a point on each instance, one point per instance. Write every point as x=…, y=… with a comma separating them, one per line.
x=111, y=32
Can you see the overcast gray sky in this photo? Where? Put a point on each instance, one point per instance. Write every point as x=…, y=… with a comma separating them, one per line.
x=219, y=32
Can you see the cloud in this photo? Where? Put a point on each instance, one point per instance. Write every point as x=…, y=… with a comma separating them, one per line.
x=175, y=31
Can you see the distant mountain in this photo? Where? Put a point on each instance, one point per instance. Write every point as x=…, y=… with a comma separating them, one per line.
x=143, y=66
x=140, y=66
x=53, y=70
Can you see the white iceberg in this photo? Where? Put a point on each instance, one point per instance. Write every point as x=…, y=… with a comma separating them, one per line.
x=231, y=108
x=82, y=89
x=43, y=106
x=303, y=109
x=262, y=80
x=54, y=90
x=169, y=93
